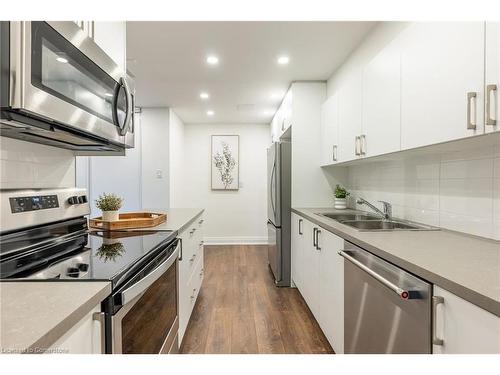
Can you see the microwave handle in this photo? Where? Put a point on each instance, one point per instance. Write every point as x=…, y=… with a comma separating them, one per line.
x=142, y=285
x=128, y=114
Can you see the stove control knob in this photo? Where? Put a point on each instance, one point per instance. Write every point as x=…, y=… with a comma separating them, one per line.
x=82, y=199
x=73, y=200
x=83, y=267
x=72, y=272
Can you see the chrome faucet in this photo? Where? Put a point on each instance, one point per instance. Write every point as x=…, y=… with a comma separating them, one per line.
x=386, y=214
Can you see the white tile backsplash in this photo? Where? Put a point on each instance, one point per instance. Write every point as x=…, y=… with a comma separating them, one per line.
x=25, y=165
x=458, y=190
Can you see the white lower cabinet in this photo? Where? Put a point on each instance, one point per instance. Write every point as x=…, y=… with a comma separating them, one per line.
x=83, y=338
x=191, y=269
x=331, y=289
x=463, y=327
x=318, y=273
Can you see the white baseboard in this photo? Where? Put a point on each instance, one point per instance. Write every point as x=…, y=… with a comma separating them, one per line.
x=235, y=240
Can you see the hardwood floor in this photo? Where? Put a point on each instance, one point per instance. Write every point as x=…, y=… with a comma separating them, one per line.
x=239, y=310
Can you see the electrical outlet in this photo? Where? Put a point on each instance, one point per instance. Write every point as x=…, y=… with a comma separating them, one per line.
x=159, y=174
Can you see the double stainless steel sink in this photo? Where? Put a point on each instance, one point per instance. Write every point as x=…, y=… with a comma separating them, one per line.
x=372, y=223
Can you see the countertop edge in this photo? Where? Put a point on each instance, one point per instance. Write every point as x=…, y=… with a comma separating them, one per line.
x=476, y=298
x=66, y=324
x=187, y=223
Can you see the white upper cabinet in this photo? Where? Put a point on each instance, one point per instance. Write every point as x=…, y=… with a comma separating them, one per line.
x=329, y=130
x=350, y=118
x=442, y=73
x=111, y=37
x=492, y=77
x=382, y=102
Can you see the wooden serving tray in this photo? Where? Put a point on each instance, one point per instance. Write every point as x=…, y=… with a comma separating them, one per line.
x=130, y=220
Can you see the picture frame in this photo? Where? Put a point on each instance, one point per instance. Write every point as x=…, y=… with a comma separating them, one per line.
x=225, y=163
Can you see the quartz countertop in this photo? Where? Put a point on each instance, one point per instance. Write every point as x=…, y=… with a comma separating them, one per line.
x=35, y=314
x=466, y=265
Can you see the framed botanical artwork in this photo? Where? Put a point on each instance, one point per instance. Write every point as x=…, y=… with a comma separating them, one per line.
x=225, y=162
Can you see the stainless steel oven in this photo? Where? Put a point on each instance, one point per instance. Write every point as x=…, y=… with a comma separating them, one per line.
x=142, y=315
x=60, y=88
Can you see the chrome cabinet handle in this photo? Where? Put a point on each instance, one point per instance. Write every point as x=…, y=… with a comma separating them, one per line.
x=471, y=96
x=201, y=272
x=404, y=294
x=318, y=232
x=192, y=295
x=99, y=317
x=300, y=227
x=436, y=300
x=180, y=248
x=362, y=144
x=334, y=153
x=314, y=236
x=489, y=90
x=192, y=258
x=201, y=243
x=192, y=231
x=201, y=221
x=356, y=144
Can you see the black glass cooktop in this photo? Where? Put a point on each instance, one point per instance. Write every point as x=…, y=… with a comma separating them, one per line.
x=93, y=256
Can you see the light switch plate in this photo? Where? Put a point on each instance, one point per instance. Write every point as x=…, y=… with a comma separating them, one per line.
x=159, y=173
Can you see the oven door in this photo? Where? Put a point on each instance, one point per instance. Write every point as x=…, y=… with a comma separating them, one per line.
x=60, y=74
x=148, y=323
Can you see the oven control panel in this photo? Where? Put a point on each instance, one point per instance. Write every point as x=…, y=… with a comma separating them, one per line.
x=33, y=203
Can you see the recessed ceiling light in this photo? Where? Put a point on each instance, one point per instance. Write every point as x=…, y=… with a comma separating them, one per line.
x=62, y=60
x=204, y=95
x=108, y=94
x=212, y=60
x=283, y=60
x=210, y=113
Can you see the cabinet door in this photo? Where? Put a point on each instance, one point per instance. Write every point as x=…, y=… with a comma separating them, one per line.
x=311, y=278
x=382, y=102
x=331, y=290
x=329, y=130
x=83, y=338
x=492, y=120
x=464, y=327
x=350, y=117
x=111, y=37
x=296, y=241
x=441, y=63
x=287, y=111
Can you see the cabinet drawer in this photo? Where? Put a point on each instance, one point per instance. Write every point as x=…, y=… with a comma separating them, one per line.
x=195, y=282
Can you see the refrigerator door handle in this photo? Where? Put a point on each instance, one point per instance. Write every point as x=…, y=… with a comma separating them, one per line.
x=271, y=188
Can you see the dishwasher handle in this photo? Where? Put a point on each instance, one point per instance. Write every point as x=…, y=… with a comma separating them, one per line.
x=403, y=293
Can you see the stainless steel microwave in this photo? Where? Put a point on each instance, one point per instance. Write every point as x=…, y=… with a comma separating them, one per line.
x=59, y=88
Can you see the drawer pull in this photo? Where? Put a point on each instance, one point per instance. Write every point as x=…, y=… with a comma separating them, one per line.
x=192, y=258
x=193, y=295
x=201, y=221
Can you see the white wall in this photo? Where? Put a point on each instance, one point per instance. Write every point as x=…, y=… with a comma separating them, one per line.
x=457, y=190
x=176, y=156
x=120, y=175
x=230, y=216
x=25, y=165
x=155, y=158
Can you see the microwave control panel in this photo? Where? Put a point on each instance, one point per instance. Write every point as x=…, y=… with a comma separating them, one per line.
x=33, y=203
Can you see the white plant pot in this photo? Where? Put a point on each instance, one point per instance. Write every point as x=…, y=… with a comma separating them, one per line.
x=110, y=215
x=340, y=203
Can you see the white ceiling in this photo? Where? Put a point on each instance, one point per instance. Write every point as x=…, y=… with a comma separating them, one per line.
x=168, y=60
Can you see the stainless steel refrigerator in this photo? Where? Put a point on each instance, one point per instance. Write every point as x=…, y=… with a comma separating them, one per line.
x=279, y=171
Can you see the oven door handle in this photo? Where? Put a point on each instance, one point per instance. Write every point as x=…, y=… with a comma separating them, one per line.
x=142, y=285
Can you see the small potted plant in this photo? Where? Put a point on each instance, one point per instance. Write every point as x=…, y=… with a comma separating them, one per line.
x=340, y=201
x=109, y=204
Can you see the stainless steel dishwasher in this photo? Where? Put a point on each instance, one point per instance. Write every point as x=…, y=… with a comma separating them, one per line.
x=386, y=309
